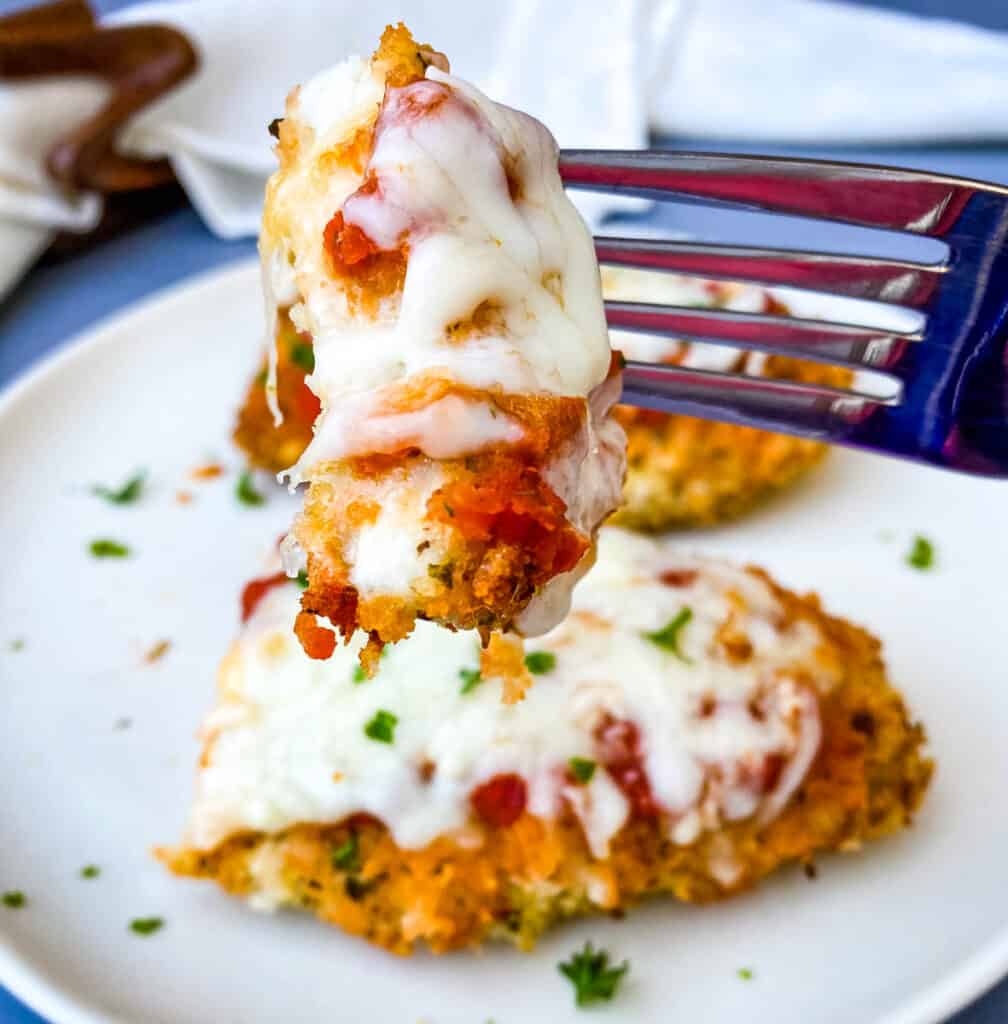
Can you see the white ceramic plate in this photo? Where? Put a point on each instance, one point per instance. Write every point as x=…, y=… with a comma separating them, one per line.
x=907, y=932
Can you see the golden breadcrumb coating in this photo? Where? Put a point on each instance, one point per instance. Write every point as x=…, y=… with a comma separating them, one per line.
x=502, y=534
x=684, y=472
x=513, y=882
x=268, y=445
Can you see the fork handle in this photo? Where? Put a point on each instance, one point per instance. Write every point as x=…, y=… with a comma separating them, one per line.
x=881, y=197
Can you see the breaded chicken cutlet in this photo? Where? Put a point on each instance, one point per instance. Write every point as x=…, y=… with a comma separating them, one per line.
x=463, y=458
x=681, y=471
x=701, y=727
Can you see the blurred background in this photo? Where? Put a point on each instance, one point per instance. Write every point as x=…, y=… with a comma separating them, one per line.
x=134, y=144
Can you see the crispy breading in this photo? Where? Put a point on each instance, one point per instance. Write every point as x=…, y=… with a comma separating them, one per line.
x=513, y=882
x=267, y=445
x=681, y=471
x=501, y=529
x=684, y=472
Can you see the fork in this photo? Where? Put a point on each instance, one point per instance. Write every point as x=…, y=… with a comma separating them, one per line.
x=951, y=407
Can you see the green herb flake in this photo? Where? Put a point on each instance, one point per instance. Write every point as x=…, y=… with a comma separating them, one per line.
x=540, y=662
x=14, y=899
x=17, y=644
x=128, y=493
x=471, y=678
x=582, y=769
x=921, y=555
x=745, y=973
x=302, y=579
x=593, y=979
x=246, y=493
x=358, y=675
x=667, y=638
x=105, y=548
x=382, y=727
x=346, y=856
x=261, y=377
x=146, y=925
x=90, y=871
x=303, y=355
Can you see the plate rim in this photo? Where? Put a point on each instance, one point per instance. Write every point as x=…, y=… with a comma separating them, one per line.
x=29, y=982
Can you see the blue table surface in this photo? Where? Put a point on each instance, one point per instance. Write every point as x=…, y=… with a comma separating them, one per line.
x=57, y=301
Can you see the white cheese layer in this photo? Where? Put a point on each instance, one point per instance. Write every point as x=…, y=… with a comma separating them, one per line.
x=471, y=244
x=287, y=742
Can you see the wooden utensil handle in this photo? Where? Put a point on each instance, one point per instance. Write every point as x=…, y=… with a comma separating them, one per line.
x=140, y=63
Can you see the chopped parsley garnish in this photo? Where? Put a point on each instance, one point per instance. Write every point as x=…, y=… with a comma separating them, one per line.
x=471, y=678
x=246, y=492
x=667, y=638
x=302, y=579
x=303, y=355
x=14, y=899
x=17, y=644
x=90, y=871
x=261, y=377
x=124, y=495
x=346, y=856
x=146, y=925
x=358, y=675
x=105, y=548
x=593, y=979
x=745, y=973
x=382, y=727
x=921, y=555
x=582, y=768
x=540, y=662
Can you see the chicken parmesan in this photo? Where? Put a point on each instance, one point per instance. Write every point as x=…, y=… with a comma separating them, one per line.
x=702, y=727
x=681, y=471
x=684, y=471
x=463, y=457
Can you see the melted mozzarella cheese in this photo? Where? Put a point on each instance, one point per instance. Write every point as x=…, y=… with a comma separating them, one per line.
x=470, y=244
x=287, y=742
x=626, y=285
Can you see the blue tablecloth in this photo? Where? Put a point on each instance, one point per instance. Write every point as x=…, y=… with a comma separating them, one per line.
x=55, y=302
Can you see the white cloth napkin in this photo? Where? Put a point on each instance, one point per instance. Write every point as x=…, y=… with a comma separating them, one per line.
x=32, y=116
x=599, y=73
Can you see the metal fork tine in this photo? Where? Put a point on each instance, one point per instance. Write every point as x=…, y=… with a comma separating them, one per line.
x=788, y=407
x=863, y=277
x=818, y=340
x=882, y=197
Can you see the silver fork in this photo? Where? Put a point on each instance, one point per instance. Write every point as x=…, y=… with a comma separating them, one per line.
x=951, y=409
